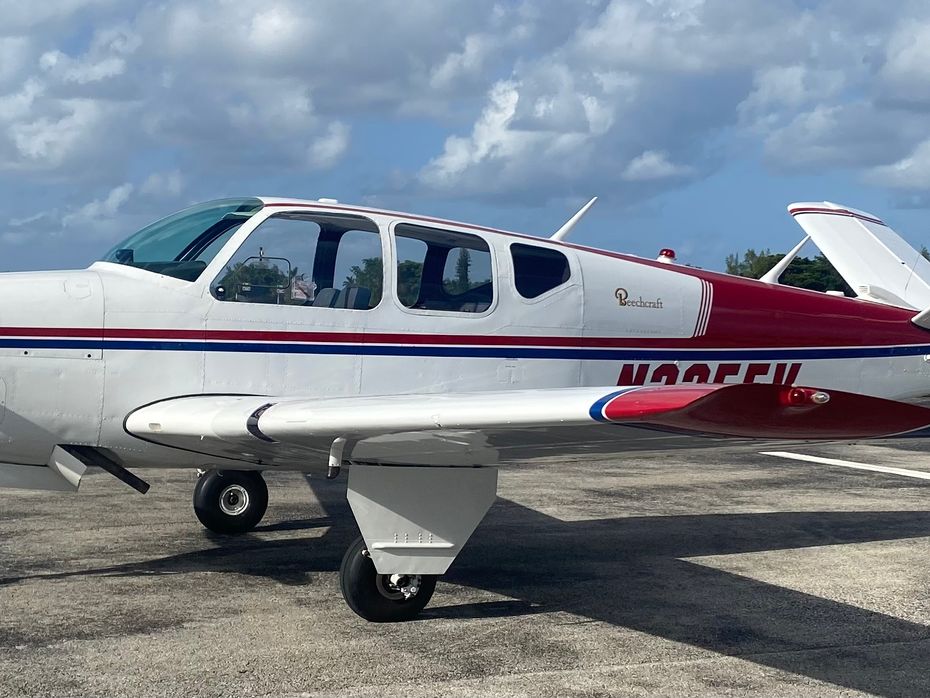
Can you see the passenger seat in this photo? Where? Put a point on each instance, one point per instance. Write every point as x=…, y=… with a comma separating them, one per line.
x=354, y=298
x=326, y=298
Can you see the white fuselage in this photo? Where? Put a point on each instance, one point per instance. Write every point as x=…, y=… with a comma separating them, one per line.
x=81, y=350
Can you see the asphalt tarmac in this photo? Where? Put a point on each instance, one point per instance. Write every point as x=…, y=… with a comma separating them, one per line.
x=684, y=573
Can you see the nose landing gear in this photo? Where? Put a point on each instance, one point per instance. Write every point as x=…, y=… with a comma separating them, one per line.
x=230, y=501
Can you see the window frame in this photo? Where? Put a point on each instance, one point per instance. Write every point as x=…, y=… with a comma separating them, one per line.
x=241, y=237
x=449, y=230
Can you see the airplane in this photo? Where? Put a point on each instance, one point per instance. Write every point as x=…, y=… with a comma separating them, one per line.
x=248, y=335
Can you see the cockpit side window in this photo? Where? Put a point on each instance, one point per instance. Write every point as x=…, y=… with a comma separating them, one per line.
x=443, y=270
x=315, y=260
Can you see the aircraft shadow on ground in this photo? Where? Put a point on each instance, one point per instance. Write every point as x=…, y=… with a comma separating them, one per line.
x=628, y=572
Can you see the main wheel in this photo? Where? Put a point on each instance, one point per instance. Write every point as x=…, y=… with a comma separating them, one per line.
x=381, y=598
x=230, y=501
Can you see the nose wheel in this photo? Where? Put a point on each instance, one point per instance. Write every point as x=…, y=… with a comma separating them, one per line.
x=230, y=501
x=382, y=598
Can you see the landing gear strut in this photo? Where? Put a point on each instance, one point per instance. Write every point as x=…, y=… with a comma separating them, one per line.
x=415, y=520
x=230, y=501
x=382, y=598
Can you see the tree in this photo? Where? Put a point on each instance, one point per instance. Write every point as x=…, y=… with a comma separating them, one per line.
x=753, y=264
x=370, y=275
x=462, y=266
x=257, y=281
x=409, y=275
x=816, y=274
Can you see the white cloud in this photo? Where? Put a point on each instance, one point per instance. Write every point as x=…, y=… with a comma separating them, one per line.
x=326, y=150
x=99, y=209
x=106, y=58
x=657, y=85
x=781, y=90
x=490, y=139
x=82, y=72
x=30, y=220
x=163, y=184
x=906, y=70
x=50, y=140
x=652, y=165
x=16, y=105
x=468, y=62
x=520, y=102
x=15, y=52
x=21, y=16
x=852, y=134
x=909, y=173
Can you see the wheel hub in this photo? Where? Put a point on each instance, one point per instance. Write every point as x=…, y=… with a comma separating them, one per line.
x=399, y=587
x=234, y=500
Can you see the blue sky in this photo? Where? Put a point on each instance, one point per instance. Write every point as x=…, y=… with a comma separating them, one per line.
x=695, y=121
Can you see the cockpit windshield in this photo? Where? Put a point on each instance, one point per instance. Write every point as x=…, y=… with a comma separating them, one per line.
x=183, y=244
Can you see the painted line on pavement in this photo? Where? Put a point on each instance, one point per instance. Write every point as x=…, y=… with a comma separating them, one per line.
x=920, y=475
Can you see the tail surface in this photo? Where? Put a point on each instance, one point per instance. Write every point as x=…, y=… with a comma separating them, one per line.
x=873, y=259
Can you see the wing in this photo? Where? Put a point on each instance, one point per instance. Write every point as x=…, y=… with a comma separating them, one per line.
x=490, y=427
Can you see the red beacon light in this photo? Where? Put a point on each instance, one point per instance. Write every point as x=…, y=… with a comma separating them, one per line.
x=806, y=396
x=667, y=255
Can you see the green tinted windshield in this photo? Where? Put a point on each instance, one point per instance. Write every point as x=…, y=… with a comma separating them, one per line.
x=183, y=244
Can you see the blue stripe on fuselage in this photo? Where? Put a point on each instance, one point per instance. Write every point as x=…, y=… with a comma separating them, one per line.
x=488, y=352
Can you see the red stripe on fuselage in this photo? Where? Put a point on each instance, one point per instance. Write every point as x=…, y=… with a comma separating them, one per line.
x=846, y=332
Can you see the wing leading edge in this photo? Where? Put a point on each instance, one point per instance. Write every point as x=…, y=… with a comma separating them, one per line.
x=466, y=428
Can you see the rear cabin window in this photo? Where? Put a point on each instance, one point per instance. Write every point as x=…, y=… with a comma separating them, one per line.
x=537, y=269
x=322, y=261
x=443, y=270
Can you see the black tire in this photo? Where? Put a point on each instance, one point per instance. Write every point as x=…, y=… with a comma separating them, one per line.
x=369, y=593
x=230, y=502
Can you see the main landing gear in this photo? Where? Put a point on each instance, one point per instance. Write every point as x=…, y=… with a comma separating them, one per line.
x=414, y=521
x=230, y=502
x=382, y=598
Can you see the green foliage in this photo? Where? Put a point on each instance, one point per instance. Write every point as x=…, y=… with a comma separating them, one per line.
x=816, y=274
x=259, y=282
x=369, y=275
x=409, y=274
x=753, y=264
x=461, y=282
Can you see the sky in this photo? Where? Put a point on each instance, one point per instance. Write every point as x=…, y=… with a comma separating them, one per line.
x=695, y=122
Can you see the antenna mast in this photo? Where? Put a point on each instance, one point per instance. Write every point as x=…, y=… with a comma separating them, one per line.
x=563, y=232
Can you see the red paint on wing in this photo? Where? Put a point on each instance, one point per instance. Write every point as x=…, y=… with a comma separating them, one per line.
x=766, y=411
x=637, y=405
